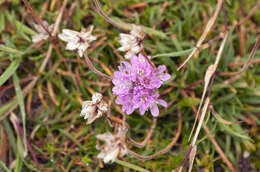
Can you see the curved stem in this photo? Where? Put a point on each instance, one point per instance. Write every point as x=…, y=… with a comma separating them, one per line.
x=92, y=67
x=117, y=24
x=164, y=150
x=147, y=59
x=29, y=7
x=144, y=142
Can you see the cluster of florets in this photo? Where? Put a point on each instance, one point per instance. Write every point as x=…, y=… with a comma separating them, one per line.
x=136, y=85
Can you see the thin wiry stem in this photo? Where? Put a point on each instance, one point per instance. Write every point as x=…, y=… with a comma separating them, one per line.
x=204, y=34
x=250, y=14
x=224, y=16
x=92, y=67
x=164, y=150
x=39, y=21
x=124, y=120
x=211, y=137
x=28, y=87
x=251, y=56
x=147, y=59
x=106, y=17
x=147, y=138
x=20, y=130
x=208, y=80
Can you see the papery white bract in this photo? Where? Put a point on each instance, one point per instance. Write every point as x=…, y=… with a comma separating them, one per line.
x=114, y=145
x=77, y=40
x=41, y=33
x=132, y=43
x=94, y=109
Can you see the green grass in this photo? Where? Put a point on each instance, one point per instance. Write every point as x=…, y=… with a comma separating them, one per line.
x=49, y=111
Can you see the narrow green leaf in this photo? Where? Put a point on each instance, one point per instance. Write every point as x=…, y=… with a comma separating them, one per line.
x=18, y=164
x=3, y=166
x=234, y=133
x=174, y=54
x=10, y=50
x=9, y=71
x=65, y=133
x=7, y=106
x=2, y=22
x=10, y=135
x=131, y=166
x=188, y=102
x=21, y=105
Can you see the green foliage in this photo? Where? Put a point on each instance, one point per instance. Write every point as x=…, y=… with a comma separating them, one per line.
x=49, y=113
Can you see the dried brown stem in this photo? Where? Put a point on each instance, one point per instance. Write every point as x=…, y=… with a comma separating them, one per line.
x=39, y=21
x=147, y=138
x=210, y=73
x=147, y=59
x=164, y=150
x=117, y=24
x=117, y=120
x=250, y=14
x=28, y=87
x=213, y=140
x=204, y=34
x=225, y=17
x=217, y=147
x=245, y=66
x=92, y=67
x=21, y=132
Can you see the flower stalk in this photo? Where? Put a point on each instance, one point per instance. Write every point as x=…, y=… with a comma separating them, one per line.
x=92, y=67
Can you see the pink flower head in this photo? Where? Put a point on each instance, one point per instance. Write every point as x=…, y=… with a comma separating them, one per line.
x=136, y=85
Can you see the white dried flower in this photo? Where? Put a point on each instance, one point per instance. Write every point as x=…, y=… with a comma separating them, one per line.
x=94, y=109
x=41, y=33
x=132, y=43
x=77, y=40
x=114, y=146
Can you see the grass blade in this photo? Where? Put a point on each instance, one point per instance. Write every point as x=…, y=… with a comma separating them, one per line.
x=3, y=166
x=21, y=105
x=9, y=71
x=174, y=54
x=131, y=166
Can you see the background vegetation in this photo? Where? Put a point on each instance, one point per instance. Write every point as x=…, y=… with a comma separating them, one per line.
x=47, y=101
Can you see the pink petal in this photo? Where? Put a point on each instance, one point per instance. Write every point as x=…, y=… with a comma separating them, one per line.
x=155, y=110
x=162, y=102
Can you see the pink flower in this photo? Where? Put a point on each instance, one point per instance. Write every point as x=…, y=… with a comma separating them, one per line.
x=136, y=86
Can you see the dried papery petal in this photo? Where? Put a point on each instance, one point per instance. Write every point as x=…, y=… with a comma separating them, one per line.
x=77, y=40
x=137, y=32
x=114, y=145
x=41, y=33
x=94, y=109
x=132, y=43
x=96, y=98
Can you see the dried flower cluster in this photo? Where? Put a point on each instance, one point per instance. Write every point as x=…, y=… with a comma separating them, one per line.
x=132, y=43
x=94, y=109
x=136, y=85
x=77, y=40
x=41, y=33
x=114, y=146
